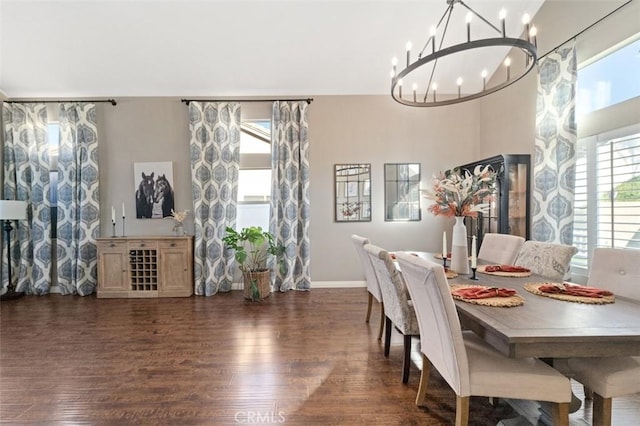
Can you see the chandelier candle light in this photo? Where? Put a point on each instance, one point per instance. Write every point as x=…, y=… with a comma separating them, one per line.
x=425, y=69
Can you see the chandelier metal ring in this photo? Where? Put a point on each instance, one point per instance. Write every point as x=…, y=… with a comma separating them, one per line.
x=523, y=44
x=527, y=44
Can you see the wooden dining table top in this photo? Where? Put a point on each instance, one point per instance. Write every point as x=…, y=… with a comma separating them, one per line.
x=544, y=327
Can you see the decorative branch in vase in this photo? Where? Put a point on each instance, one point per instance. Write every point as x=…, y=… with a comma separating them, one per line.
x=178, y=221
x=461, y=194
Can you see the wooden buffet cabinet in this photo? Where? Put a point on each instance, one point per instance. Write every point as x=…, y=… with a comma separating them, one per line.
x=145, y=266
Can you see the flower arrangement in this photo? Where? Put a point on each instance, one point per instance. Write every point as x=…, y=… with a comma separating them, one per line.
x=178, y=218
x=462, y=194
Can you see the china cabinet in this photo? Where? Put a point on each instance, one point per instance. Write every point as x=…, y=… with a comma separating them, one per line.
x=509, y=211
x=145, y=266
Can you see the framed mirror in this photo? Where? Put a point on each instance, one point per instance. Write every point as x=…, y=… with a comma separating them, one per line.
x=353, y=192
x=402, y=192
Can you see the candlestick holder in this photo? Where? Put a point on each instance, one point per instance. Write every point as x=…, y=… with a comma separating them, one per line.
x=113, y=228
x=123, y=226
x=473, y=275
x=444, y=262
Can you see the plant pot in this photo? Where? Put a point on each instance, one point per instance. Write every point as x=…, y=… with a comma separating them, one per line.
x=257, y=285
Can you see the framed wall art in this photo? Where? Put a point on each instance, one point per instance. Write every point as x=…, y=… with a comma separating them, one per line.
x=153, y=185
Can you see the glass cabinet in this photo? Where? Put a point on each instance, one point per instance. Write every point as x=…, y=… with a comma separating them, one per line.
x=509, y=212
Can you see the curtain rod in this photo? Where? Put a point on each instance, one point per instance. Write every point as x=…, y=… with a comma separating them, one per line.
x=187, y=101
x=586, y=29
x=111, y=101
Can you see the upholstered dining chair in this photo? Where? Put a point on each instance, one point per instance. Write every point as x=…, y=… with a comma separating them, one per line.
x=500, y=248
x=373, y=288
x=548, y=259
x=469, y=365
x=398, y=309
x=617, y=270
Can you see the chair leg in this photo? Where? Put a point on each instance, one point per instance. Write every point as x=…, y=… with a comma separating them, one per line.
x=601, y=410
x=382, y=317
x=369, y=307
x=387, y=336
x=588, y=393
x=406, y=364
x=462, y=410
x=424, y=381
x=561, y=414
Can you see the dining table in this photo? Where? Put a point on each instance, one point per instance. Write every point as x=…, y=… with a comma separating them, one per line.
x=547, y=328
x=543, y=327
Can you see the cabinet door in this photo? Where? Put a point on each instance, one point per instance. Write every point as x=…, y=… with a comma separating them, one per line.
x=175, y=268
x=112, y=269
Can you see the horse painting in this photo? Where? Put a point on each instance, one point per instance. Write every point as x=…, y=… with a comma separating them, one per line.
x=145, y=197
x=164, y=195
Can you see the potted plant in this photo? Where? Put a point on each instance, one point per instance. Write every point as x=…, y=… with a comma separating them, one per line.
x=253, y=246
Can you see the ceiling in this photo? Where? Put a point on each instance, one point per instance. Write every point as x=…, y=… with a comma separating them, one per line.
x=190, y=48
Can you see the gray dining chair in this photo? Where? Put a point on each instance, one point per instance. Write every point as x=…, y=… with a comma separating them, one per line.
x=398, y=309
x=373, y=287
x=500, y=248
x=617, y=270
x=469, y=365
x=550, y=260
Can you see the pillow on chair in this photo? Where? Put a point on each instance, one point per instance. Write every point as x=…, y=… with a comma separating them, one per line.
x=547, y=259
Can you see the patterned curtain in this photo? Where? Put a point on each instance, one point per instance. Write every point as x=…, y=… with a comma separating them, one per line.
x=215, y=165
x=78, y=199
x=26, y=177
x=289, y=220
x=555, y=148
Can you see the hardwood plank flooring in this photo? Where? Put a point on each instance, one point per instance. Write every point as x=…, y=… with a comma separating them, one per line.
x=300, y=358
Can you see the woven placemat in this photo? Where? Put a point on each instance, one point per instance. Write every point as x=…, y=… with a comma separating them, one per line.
x=498, y=302
x=450, y=273
x=534, y=288
x=481, y=269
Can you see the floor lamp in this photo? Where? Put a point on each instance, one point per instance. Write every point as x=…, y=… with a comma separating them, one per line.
x=11, y=210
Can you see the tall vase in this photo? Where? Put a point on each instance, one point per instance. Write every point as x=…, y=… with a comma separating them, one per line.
x=459, y=249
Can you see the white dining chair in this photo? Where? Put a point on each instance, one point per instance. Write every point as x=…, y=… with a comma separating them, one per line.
x=373, y=287
x=398, y=309
x=617, y=270
x=500, y=248
x=550, y=260
x=469, y=365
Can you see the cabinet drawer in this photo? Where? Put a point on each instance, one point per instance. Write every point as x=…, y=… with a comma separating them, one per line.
x=111, y=245
x=176, y=244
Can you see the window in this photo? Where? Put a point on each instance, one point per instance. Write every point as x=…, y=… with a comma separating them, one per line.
x=54, y=147
x=254, y=180
x=607, y=199
x=609, y=78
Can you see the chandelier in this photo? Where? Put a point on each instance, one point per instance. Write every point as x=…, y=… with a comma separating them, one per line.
x=431, y=68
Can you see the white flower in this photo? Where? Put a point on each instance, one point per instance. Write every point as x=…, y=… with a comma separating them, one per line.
x=179, y=217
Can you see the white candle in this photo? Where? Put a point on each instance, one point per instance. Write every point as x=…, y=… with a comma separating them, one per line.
x=113, y=214
x=444, y=245
x=122, y=209
x=473, y=252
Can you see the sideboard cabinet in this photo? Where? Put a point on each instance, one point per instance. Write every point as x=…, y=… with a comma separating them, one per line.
x=145, y=266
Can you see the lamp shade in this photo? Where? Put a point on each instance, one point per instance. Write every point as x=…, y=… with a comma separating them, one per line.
x=13, y=210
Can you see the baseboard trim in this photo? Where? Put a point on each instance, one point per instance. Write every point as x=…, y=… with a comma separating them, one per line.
x=320, y=284
x=337, y=284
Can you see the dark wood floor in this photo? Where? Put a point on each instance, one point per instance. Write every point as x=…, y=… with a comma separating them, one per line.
x=298, y=358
